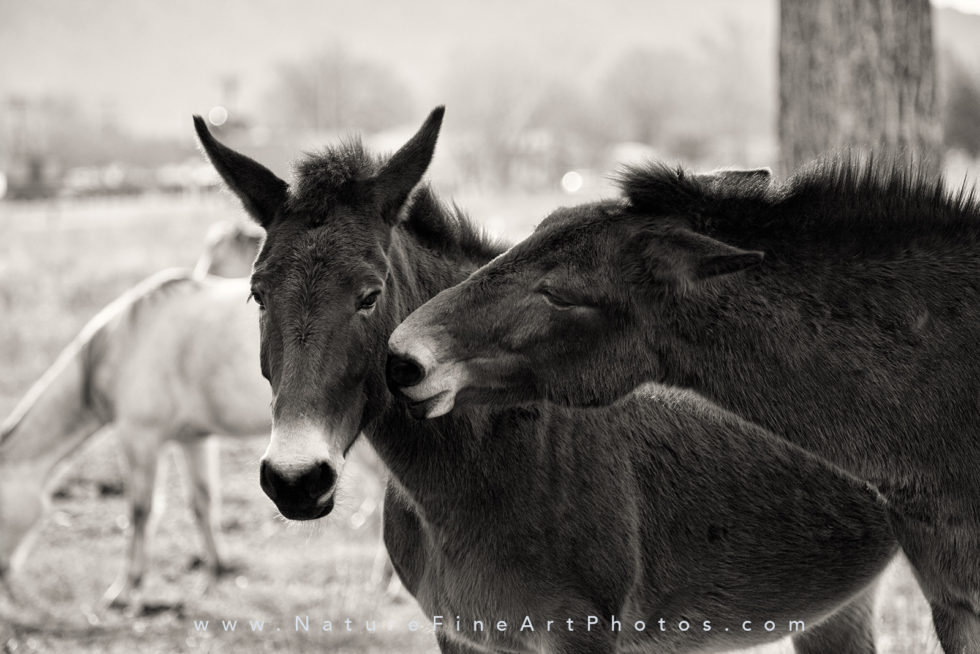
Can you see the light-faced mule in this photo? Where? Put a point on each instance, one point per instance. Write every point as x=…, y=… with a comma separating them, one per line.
x=840, y=310
x=581, y=524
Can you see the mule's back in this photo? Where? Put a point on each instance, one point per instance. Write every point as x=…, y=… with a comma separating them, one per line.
x=740, y=505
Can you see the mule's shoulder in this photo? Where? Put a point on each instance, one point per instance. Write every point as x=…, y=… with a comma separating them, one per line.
x=674, y=401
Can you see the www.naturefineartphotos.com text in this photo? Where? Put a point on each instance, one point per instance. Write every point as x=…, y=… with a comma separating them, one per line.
x=306, y=623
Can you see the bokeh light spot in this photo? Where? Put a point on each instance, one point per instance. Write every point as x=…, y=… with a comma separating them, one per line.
x=218, y=116
x=571, y=182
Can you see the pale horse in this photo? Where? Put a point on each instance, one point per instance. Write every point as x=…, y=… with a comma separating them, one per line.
x=175, y=358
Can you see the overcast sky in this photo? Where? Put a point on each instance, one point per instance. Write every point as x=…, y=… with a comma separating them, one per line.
x=151, y=64
x=969, y=6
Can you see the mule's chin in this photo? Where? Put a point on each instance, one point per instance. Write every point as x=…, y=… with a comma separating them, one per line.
x=313, y=511
x=438, y=405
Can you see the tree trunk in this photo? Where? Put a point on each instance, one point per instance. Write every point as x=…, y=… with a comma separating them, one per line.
x=857, y=74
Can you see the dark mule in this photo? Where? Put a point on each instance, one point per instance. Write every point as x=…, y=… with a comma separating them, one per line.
x=854, y=335
x=662, y=506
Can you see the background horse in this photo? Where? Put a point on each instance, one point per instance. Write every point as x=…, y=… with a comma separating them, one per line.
x=229, y=250
x=118, y=350
x=839, y=311
x=538, y=511
x=131, y=370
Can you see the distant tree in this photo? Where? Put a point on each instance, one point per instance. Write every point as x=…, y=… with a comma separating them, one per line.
x=857, y=74
x=522, y=125
x=642, y=89
x=335, y=90
x=961, y=114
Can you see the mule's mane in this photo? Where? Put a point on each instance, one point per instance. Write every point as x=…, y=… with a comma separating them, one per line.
x=339, y=174
x=835, y=198
x=448, y=228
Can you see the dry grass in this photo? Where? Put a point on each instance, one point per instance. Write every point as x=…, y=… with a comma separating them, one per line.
x=58, y=266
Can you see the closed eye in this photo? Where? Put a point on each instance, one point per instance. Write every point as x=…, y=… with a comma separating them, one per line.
x=558, y=301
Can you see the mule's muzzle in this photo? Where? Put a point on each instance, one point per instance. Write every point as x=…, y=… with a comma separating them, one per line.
x=306, y=495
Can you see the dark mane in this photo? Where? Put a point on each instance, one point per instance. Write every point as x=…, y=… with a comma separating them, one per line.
x=862, y=200
x=448, y=228
x=341, y=174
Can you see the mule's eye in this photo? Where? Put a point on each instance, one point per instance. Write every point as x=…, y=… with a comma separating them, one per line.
x=555, y=300
x=369, y=300
x=257, y=297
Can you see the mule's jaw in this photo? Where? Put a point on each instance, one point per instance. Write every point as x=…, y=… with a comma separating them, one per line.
x=433, y=407
x=313, y=511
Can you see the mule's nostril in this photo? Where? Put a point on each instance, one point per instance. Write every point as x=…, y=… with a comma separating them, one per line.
x=319, y=480
x=267, y=480
x=404, y=371
x=313, y=484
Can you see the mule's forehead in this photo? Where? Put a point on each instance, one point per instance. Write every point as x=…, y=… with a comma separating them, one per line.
x=571, y=232
x=341, y=250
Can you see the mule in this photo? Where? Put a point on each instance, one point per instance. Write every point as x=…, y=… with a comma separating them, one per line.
x=660, y=506
x=839, y=310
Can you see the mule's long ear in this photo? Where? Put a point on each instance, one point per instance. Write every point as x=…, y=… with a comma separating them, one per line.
x=262, y=193
x=684, y=257
x=403, y=172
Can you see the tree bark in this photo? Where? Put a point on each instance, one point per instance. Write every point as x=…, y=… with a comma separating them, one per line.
x=857, y=74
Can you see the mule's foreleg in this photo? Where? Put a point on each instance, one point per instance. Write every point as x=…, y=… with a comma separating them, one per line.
x=449, y=646
x=946, y=564
x=200, y=457
x=141, y=449
x=958, y=629
x=848, y=631
x=585, y=642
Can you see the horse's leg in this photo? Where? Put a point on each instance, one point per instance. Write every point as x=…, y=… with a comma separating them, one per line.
x=141, y=449
x=200, y=456
x=383, y=572
x=848, y=631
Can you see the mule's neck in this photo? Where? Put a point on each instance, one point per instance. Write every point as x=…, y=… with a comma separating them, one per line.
x=422, y=455
x=420, y=272
x=56, y=416
x=761, y=358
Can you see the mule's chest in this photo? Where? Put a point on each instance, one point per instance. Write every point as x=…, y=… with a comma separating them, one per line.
x=465, y=593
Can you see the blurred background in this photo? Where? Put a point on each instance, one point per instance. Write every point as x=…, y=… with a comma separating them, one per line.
x=102, y=184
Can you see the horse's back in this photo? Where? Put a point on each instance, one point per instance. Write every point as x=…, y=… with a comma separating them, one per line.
x=190, y=357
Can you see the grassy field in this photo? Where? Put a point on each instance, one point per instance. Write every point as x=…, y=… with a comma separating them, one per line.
x=58, y=266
